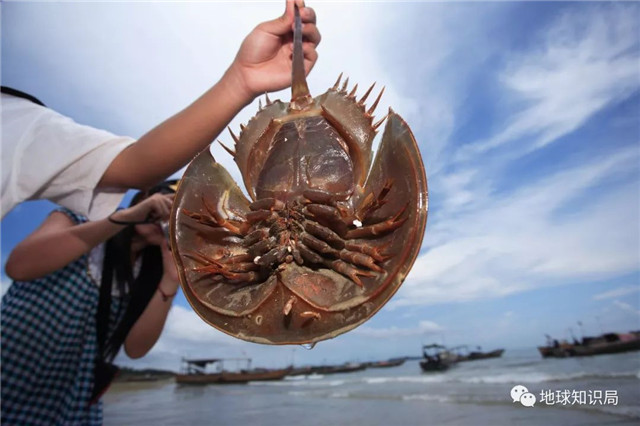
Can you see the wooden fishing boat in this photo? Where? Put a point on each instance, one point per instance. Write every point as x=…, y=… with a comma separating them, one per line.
x=300, y=371
x=474, y=355
x=396, y=362
x=463, y=353
x=607, y=343
x=437, y=358
x=349, y=367
x=194, y=372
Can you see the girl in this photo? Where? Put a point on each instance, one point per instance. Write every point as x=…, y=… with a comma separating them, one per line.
x=82, y=290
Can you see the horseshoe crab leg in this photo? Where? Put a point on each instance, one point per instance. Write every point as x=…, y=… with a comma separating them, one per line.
x=214, y=217
x=378, y=228
x=369, y=204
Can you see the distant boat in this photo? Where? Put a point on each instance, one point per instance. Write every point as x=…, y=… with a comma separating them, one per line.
x=341, y=368
x=607, y=343
x=300, y=371
x=437, y=358
x=348, y=367
x=128, y=374
x=194, y=372
x=386, y=364
x=476, y=355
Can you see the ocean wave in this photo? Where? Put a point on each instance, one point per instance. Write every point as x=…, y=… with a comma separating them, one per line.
x=533, y=377
x=497, y=378
x=339, y=395
x=311, y=383
x=405, y=379
x=306, y=393
x=522, y=364
x=307, y=377
x=508, y=378
x=427, y=397
x=618, y=410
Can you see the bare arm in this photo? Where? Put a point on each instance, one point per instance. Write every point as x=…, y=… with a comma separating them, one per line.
x=263, y=64
x=58, y=241
x=147, y=329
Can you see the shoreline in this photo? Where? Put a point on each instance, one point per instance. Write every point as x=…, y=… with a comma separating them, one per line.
x=136, y=385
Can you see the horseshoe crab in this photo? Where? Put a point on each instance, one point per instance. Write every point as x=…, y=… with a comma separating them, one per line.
x=325, y=239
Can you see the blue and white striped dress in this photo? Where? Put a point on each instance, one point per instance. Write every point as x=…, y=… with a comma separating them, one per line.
x=49, y=347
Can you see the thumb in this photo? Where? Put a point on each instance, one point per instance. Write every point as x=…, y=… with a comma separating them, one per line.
x=281, y=25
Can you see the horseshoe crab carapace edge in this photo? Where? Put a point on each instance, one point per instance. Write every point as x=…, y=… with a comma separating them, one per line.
x=326, y=237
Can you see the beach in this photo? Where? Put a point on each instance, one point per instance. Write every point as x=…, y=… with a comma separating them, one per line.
x=471, y=393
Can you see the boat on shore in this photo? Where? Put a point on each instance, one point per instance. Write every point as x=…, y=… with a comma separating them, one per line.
x=437, y=358
x=607, y=343
x=194, y=371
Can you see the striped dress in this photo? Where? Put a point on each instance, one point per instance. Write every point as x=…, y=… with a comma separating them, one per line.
x=49, y=347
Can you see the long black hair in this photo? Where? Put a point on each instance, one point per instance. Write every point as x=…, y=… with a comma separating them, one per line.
x=135, y=293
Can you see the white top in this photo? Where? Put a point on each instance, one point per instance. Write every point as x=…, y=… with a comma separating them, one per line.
x=46, y=155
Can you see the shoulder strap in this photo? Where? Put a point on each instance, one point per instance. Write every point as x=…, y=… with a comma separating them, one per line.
x=75, y=217
x=14, y=92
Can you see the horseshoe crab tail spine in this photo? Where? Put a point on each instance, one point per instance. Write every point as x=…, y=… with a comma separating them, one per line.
x=300, y=96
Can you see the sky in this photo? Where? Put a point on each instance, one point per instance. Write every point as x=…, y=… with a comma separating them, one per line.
x=526, y=115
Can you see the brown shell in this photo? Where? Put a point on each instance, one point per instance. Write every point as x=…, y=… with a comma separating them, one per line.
x=296, y=289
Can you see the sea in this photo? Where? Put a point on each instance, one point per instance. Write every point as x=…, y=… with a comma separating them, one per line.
x=600, y=390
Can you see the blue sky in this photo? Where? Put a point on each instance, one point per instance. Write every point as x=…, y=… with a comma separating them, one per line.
x=527, y=116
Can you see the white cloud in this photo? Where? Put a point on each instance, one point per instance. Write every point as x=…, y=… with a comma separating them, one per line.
x=184, y=324
x=617, y=292
x=627, y=307
x=489, y=239
x=587, y=61
x=185, y=335
x=423, y=328
x=518, y=241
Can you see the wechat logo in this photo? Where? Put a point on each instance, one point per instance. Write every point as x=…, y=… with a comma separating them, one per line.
x=521, y=394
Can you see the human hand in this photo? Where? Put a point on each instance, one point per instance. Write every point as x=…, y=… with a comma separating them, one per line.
x=154, y=208
x=263, y=62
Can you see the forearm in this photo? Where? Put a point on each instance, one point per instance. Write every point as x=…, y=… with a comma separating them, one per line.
x=147, y=329
x=173, y=143
x=45, y=252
